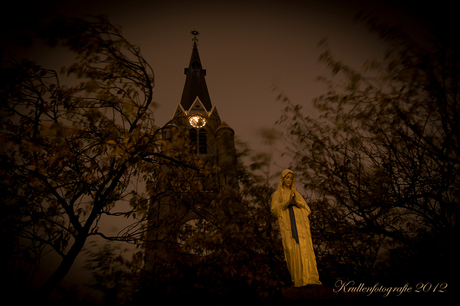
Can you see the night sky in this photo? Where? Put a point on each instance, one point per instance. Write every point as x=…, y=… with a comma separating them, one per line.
x=246, y=47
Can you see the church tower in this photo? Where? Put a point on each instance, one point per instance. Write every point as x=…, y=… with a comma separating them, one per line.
x=210, y=137
x=196, y=129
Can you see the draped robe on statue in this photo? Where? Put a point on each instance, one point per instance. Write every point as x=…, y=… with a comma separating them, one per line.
x=300, y=257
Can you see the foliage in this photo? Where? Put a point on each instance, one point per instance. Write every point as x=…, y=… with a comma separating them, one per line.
x=74, y=156
x=382, y=160
x=70, y=153
x=113, y=274
x=230, y=245
x=230, y=248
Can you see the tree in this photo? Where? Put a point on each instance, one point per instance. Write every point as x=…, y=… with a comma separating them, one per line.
x=73, y=156
x=70, y=153
x=114, y=275
x=232, y=249
x=381, y=163
x=231, y=246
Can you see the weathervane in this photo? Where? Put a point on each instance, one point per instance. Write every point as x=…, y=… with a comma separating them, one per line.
x=195, y=34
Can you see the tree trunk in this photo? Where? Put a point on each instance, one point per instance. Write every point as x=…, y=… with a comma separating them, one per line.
x=67, y=262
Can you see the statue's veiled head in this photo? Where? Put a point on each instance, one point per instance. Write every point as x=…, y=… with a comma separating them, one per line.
x=287, y=180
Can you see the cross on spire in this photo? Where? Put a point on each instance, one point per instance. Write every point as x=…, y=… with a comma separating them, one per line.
x=195, y=34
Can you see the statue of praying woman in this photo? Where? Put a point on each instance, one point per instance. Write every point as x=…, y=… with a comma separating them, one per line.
x=292, y=212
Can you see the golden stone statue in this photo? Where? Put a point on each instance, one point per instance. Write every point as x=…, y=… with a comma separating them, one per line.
x=292, y=212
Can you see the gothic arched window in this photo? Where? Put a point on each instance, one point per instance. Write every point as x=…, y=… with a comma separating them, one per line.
x=192, y=134
x=202, y=142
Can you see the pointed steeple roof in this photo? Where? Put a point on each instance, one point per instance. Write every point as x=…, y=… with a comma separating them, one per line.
x=195, y=83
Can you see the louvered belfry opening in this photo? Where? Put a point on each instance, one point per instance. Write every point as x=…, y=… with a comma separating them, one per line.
x=198, y=140
x=202, y=142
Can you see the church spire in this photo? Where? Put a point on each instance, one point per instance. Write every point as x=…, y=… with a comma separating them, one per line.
x=195, y=83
